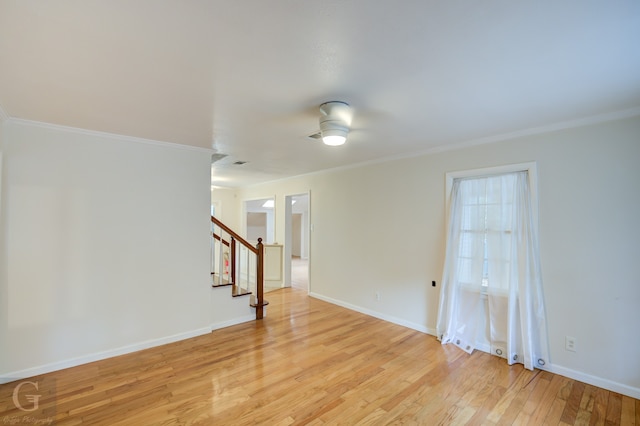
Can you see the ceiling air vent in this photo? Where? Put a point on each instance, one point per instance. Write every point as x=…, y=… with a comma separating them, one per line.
x=217, y=157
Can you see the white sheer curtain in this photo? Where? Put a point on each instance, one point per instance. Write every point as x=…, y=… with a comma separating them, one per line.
x=491, y=285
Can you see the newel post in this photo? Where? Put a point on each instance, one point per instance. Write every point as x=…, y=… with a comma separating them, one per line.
x=260, y=280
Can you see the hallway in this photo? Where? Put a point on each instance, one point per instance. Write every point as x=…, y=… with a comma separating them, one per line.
x=300, y=273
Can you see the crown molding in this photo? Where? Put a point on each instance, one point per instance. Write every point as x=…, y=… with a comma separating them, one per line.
x=586, y=121
x=106, y=135
x=549, y=128
x=3, y=115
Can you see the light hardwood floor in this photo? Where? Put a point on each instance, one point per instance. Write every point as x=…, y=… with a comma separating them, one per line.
x=310, y=362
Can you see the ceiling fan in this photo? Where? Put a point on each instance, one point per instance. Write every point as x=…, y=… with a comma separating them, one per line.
x=335, y=123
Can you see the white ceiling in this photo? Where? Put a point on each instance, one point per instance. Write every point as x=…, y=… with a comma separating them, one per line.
x=246, y=77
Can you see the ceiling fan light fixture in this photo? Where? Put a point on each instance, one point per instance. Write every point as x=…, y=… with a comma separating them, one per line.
x=334, y=140
x=334, y=135
x=334, y=122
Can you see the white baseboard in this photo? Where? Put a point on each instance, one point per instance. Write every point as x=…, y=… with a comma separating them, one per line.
x=556, y=369
x=73, y=362
x=595, y=381
x=388, y=318
x=583, y=377
x=234, y=321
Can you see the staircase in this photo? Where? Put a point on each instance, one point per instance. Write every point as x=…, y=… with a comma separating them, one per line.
x=237, y=264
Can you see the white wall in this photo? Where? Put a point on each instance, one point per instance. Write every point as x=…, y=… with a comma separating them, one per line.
x=105, y=247
x=256, y=226
x=3, y=263
x=226, y=199
x=589, y=203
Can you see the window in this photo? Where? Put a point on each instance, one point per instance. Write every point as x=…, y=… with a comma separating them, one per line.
x=486, y=229
x=492, y=266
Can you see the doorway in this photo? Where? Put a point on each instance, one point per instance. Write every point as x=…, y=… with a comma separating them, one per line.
x=297, y=235
x=260, y=220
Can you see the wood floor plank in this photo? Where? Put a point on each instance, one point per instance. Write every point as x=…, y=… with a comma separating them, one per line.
x=310, y=362
x=533, y=401
x=614, y=408
x=582, y=417
x=573, y=403
x=628, y=411
x=515, y=385
x=543, y=407
x=555, y=412
x=600, y=402
x=480, y=416
x=515, y=411
x=588, y=398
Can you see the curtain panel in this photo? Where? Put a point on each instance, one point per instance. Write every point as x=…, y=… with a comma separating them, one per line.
x=491, y=284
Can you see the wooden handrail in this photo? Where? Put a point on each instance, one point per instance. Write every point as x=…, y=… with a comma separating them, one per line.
x=258, y=250
x=229, y=231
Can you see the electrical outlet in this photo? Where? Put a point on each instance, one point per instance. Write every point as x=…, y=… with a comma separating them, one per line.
x=570, y=343
x=377, y=295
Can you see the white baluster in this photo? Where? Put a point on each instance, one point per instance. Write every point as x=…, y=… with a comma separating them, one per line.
x=221, y=259
x=239, y=266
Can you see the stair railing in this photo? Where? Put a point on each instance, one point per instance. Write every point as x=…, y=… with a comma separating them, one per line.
x=234, y=267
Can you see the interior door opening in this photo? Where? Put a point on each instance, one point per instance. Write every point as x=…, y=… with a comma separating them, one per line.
x=297, y=235
x=260, y=220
